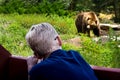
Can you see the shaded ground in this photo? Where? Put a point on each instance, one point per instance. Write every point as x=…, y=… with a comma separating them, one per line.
x=74, y=41
x=77, y=41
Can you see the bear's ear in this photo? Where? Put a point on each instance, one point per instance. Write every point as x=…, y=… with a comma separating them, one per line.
x=92, y=14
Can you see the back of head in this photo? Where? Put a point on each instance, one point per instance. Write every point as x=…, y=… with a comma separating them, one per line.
x=42, y=38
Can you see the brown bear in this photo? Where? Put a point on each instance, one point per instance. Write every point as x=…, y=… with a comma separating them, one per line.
x=87, y=21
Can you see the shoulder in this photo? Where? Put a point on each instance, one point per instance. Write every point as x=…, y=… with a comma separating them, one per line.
x=76, y=55
x=73, y=52
x=38, y=69
x=70, y=52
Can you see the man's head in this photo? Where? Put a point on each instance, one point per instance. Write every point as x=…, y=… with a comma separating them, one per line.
x=43, y=39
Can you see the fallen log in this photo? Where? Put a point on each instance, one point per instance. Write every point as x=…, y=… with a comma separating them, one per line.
x=107, y=26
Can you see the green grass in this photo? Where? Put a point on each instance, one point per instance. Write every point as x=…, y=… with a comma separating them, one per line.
x=13, y=28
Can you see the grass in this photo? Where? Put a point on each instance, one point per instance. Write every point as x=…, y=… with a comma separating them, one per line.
x=13, y=28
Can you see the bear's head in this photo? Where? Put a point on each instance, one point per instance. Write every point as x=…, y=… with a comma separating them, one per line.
x=91, y=19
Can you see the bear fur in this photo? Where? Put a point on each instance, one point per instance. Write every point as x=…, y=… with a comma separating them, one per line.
x=87, y=21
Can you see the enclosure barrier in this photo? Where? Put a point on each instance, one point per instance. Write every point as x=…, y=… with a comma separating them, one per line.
x=15, y=68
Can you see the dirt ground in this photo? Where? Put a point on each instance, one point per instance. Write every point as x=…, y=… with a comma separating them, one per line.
x=77, y=41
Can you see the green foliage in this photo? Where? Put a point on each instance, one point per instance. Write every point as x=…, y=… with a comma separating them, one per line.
x=50, y=7
x=11, y=6
x=113, y=45
x=12, y=37
x=99, y=53
x=28, y=7
x=67, y=36
x=13, y=28
x=60, y=7
x=83, y=5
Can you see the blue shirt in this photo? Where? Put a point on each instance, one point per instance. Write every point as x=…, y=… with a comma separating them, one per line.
x=62, y=65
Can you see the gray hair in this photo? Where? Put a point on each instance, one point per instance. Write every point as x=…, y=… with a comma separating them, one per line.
x=42, y=38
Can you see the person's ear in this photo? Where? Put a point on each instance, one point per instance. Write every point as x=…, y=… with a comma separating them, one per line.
x=59, y=40
x=37, y=55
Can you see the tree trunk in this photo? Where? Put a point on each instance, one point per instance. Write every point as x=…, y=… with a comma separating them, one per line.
x=117, y=11
x=72, y=5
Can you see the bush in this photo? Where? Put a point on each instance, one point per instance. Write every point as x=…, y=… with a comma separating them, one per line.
x=13, y=28
x=29, y=7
